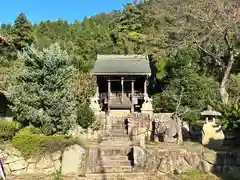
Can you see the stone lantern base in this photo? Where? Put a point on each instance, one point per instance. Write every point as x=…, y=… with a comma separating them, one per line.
x=147, y=108
x=212, y=135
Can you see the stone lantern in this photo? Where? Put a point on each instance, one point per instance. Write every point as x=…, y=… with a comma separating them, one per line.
x=212, y=134
x=210, y=115
x=94, y=104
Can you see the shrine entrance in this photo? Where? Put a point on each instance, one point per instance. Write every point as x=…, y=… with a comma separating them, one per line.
x=122, y=92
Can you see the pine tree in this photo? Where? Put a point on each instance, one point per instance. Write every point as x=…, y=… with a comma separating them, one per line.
x=22, y=32
x=42, y=93
x=128, y=29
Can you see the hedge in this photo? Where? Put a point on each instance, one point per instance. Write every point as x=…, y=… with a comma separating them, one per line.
x=31, y=143
x=8, y=129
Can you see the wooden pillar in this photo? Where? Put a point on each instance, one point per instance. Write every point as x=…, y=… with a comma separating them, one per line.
x=109, y=93
x=145, y=89
x=132, y=110
x=122, y=83
x=97, y=91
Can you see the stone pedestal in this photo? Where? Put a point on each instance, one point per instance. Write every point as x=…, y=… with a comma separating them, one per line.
x=212, y=135
x=95, y=106
x=147, y=108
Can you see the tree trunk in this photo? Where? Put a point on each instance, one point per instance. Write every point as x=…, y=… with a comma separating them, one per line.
x=223, y=91
x=179, y=129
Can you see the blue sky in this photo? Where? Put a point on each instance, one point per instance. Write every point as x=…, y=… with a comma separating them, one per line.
x=70, y=10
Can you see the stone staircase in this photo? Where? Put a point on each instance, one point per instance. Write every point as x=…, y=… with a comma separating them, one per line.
x=115, y=155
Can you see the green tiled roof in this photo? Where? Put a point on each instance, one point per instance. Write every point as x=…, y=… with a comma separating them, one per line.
x=121, y=65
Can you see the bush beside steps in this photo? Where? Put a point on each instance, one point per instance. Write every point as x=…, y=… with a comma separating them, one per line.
x=30, y=142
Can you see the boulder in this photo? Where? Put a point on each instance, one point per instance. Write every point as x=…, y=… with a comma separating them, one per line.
x=45, y=162
x=31, y=168
x=139, y=156
x=12, y=158
x=18, y=165
x=72, y=160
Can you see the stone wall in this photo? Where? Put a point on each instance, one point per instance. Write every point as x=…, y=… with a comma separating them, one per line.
x=150, y=125
x=161, y=161
x=94, y=132
x=143, y=124
x=70, y=161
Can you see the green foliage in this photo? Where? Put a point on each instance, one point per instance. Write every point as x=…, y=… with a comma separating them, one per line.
x=234, y=88
x=85, y=116
x=8, y=129
x=185, y=84
x=7, y=50
x=30, y=142
x=58, y=175
x=27, y=142
x=162, y=29
x=22, y=32
x=160, y=65
x=127, y=29
x=42, y=92
x=230, y=115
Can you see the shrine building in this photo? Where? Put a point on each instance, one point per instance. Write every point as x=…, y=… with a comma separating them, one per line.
x=121, y=83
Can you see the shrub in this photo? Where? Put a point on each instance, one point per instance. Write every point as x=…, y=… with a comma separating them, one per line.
x=31, y=143
x=230, y=115
x=27, y=142
x=85, y=116
x=8, y=129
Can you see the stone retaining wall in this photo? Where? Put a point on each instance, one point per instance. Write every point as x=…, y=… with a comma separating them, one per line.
x=142, y=124
x=70, y=161
x=161, y=161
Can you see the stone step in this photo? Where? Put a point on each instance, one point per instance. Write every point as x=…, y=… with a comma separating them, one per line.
x=114, y=163
x=115, y=151
x=122, y=133
x=113, y=169
x=119, y=131
x=115, y=138
x=119, y=158
x=118, y=135
x=116, y=114
x=115, y=176
x=118, y=123
x=115, y=127
x=118, y=143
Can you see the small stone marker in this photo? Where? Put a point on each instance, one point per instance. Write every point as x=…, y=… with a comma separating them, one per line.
x=147, y=107
x=212, y=134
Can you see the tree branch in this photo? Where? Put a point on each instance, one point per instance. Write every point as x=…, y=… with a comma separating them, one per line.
x=217, y=60
x=179, y=101
x=230, y=47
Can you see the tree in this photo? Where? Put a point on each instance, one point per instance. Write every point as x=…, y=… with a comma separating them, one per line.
x=42, y=92
x=127, y=30
x=184, y=72
x=22, y=32
x=7, y=49
x=212, y=26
